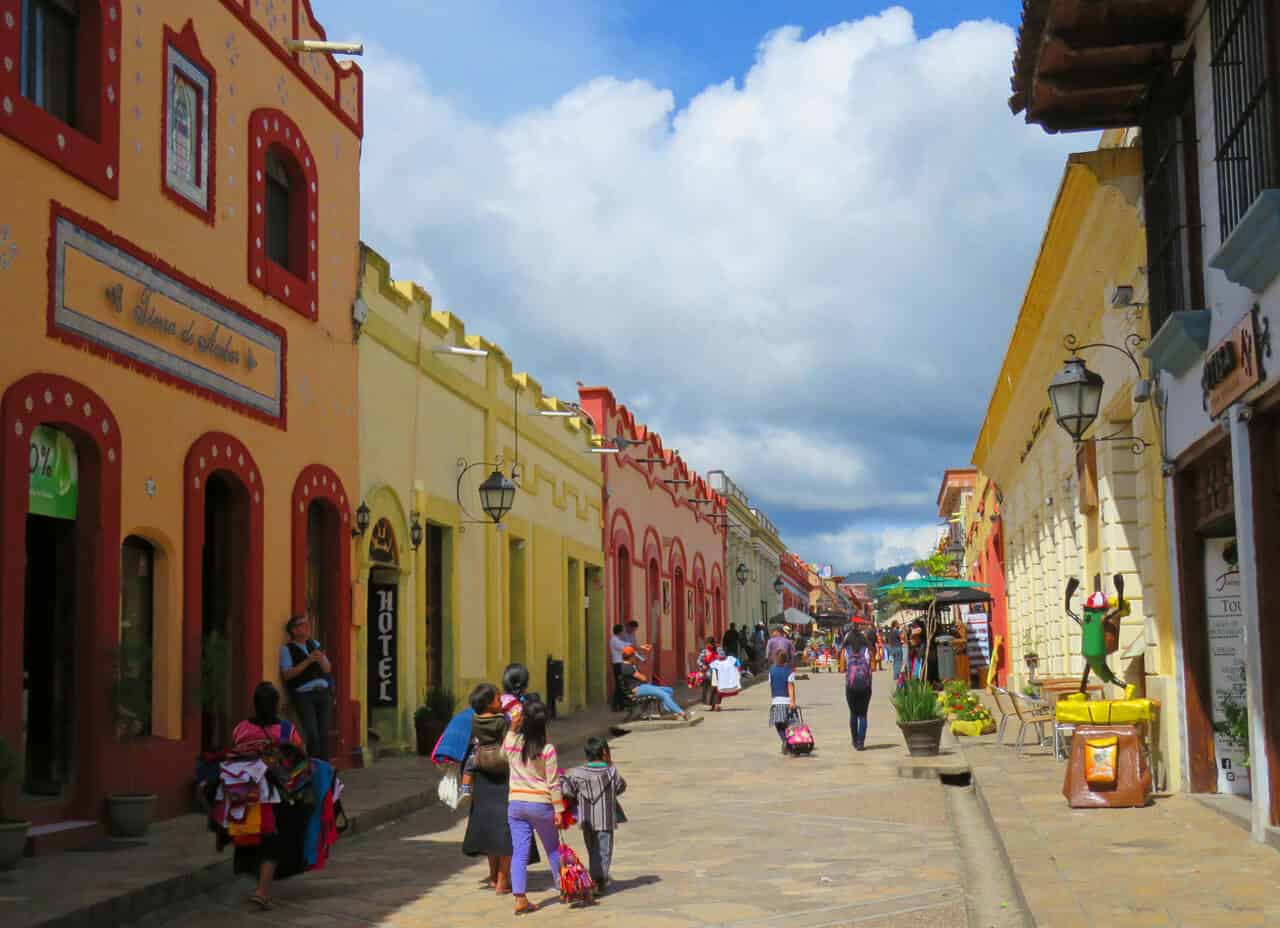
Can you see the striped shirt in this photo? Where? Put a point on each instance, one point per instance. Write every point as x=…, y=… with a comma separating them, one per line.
x=536, y=781
x=596, y=787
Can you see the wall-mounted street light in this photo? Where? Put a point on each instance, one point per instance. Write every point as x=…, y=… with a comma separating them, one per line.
x=497, y=495
x=320, y=45
x=362, y=521
x=1076, y=392
x=460, y=351
x=742, y=573
x=678, y=482
x=498, y=492
x=779, y=586
x=415, y=530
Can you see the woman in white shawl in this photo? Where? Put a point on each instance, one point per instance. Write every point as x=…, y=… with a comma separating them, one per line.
x=726, y=678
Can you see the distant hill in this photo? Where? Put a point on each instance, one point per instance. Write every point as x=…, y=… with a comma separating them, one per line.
x=871, y=576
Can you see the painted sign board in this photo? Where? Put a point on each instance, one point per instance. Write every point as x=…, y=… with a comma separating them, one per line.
x=1233, y=367
x=53, y=474
x=978, y=639
x=114, y=298
x=1224, y=612
x=383, y=671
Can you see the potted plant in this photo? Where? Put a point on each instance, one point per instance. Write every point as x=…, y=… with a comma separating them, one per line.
x=430, y=718
x=13, y=831
x=129, y=813
x=919, y=717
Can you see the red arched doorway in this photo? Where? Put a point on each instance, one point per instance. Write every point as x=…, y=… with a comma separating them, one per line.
x=222, y=585
x=59, y=590
x=622, y=566
x=679, y=634
x=700, y=610
x=321, y=558
x=653, y=629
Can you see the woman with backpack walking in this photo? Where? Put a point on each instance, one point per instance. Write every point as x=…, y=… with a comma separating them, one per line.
x=857, y=685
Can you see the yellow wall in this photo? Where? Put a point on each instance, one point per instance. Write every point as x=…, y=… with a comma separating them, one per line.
x=1093, y=241
x=158, y=421
x=422, y=412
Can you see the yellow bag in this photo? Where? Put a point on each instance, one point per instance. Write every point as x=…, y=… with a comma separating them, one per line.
x=968, y=729
x=1100, y=761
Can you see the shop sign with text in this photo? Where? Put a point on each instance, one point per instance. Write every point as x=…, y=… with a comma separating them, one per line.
x=382, y=644
x=1233, y=367
x=115, y=298
x=53, y=474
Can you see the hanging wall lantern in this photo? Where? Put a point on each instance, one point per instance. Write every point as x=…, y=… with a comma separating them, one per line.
x=1076, y=394
x=742, y=573
x=497, y=495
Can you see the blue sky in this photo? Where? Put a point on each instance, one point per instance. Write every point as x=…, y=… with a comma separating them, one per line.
x=792, y=236
x=471, y=48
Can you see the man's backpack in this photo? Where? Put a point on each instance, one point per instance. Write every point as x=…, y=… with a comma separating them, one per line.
x=857, y=671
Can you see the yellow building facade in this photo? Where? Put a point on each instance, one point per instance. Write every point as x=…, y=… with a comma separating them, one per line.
x=179, y=205
x=469, y=597
x=1096, y=509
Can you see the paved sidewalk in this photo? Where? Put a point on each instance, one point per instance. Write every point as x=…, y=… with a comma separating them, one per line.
x=1172, y=863
x=723, y=830
x=115, y=881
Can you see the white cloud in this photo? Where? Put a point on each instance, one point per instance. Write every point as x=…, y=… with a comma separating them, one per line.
x=804, y=277
x=861, y=548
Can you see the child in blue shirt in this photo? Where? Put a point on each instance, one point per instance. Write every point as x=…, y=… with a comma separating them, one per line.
x=782, y=687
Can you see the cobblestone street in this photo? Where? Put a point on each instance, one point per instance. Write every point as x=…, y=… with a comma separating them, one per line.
x=723, y=830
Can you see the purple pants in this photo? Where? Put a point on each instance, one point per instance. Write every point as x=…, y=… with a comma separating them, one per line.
x=524, y=818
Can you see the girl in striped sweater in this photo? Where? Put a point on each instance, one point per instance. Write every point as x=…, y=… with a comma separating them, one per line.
x=535, y=803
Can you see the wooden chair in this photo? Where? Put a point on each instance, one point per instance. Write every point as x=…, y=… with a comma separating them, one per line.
x=1030, y=713
x=997, y=694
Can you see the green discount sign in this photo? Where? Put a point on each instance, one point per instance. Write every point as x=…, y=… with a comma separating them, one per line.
x=55, y=484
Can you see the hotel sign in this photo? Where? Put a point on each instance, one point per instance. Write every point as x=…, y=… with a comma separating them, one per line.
x=1234, y=366
x=117, y=299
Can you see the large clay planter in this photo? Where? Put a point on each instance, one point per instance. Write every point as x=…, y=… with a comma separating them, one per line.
x=13, y=839
x=129, y=814
x=428, y=732
x=923, y=738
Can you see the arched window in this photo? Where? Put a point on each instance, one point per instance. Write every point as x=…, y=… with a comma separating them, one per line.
x=283, y=212
x=137, y=627
x=60, y=85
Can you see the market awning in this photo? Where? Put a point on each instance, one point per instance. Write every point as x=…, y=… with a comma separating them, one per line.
x=1089, y=64
x=959, y=597
x=927, y=585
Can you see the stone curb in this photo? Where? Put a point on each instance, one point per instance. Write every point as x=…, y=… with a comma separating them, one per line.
x=1029, y=918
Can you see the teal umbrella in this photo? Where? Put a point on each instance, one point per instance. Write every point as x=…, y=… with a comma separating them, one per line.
x=931, y=585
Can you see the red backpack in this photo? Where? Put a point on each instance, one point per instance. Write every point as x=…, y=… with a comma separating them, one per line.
x=857, y=670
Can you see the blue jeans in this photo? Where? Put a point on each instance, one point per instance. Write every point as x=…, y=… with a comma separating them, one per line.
x=663, y=693
x=525, y=818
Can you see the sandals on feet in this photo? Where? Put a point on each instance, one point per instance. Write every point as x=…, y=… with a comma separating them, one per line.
x=526, y=908
x=262, y=902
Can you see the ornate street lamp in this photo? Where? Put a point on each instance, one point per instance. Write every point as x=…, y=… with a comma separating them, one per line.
x=779, y=586
x=497, y=495
x=1076, y=392
x=415, y=530
x=362, y=521
x=742, y=573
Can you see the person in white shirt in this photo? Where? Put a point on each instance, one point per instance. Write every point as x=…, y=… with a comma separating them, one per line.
x=617, y=641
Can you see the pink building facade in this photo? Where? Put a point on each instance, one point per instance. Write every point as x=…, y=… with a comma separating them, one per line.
x=664, y=540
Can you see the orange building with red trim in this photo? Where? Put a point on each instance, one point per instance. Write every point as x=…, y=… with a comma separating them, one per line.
x=664, y=540
x=179, y=206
